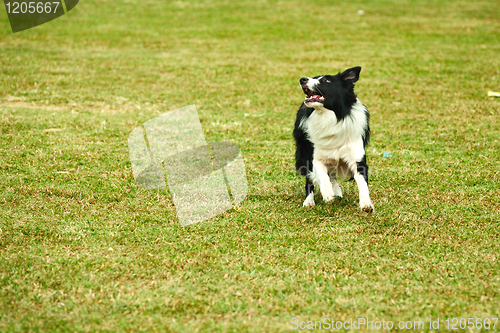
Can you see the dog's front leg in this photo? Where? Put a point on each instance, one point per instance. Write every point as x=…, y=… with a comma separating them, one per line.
x=320, y=172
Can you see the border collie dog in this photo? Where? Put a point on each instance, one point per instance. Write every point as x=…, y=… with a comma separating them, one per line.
x=331, y=132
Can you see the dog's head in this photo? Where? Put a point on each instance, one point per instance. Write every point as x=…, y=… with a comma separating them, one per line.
x=333, y=92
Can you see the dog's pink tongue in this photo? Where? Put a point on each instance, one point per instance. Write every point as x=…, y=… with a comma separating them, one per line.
x=315, y=96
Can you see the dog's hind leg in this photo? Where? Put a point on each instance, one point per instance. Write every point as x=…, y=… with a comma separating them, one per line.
x=337, y=191
x=309, y=202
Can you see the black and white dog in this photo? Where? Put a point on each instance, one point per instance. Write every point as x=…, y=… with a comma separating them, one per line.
x=331, y=132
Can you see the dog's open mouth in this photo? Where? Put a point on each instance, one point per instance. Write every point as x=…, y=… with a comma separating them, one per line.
x=312, y=96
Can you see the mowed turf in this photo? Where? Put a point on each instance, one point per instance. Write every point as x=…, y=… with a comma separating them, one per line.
x=83, y=249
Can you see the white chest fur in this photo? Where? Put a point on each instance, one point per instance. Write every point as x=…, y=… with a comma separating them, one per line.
x=334, y=140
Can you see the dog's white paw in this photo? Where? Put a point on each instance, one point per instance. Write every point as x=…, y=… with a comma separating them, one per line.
x=337, y=191
x=366, y=206
x=309, y=202
x=327, y=197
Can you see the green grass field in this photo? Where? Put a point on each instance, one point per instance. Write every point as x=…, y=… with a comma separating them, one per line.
x=83, y=249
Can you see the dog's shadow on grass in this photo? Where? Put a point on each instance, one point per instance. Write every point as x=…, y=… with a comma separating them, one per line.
x=349, y=204
x=345, y=204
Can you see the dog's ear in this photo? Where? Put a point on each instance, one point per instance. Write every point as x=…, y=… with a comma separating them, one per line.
x=351, y=75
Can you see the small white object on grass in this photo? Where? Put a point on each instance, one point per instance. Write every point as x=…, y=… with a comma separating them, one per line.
x=493, y=94
x=361, y=12
x=52, y=129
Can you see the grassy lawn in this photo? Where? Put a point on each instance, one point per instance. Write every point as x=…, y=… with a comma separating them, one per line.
x=83, y=249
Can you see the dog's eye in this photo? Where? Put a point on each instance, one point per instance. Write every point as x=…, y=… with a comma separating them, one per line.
x=327, y=80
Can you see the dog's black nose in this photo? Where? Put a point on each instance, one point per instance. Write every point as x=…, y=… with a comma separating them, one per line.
x=303, y=80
